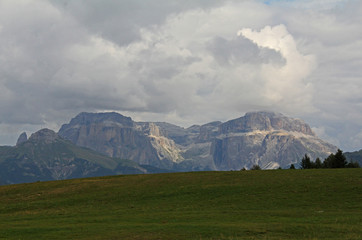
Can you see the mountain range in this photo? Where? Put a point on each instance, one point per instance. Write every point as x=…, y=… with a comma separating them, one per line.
x=268, y=139
x=95, y=144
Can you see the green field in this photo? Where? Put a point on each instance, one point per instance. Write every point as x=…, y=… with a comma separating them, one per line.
x=274, y=204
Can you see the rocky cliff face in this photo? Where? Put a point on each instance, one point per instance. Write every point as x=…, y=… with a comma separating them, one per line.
x=166, y=148
x=118, y=136
x=269, y=139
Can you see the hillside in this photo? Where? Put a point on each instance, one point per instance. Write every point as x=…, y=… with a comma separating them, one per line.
x=278, y=204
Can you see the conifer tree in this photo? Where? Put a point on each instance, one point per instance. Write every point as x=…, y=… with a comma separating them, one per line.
x=329, y=161
x=340, y=159
x=318, y=163
x=255, y=167
x=306, y=163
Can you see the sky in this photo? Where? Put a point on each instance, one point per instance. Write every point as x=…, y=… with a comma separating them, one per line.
x=183, y=62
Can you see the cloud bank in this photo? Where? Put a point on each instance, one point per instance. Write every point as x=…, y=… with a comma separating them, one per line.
x=185, y=63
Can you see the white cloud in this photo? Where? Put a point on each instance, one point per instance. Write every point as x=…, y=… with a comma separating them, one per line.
x=285, y=85
x=321, y=132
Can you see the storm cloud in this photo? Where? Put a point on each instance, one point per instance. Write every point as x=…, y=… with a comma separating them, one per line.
x=184, y=62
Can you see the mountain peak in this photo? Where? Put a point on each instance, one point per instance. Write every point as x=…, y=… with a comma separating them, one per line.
x=265, y=114
x=266, y=121
x=45, y=135
x=90, y=118
x=22, y=138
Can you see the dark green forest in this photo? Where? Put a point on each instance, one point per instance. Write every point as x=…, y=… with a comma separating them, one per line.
x=337, y=160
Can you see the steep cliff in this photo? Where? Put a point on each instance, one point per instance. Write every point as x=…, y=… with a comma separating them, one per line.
x=118, y=136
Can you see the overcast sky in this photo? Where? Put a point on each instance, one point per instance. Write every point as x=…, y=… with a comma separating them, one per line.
x=184, y=62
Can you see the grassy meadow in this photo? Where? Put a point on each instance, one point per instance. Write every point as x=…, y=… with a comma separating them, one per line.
x=273, y=204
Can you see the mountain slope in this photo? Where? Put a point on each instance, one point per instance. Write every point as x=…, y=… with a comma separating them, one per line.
x=46, y=156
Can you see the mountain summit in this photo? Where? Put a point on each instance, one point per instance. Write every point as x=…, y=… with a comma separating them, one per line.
x=22, y=138
x=44, y=135
x=266, y=121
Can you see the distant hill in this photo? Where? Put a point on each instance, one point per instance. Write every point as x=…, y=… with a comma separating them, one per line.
x=354, y=156
x=46, y=156
x=268, y=139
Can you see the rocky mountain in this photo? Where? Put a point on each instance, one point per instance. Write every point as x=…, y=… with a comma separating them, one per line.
x=268, y=139
x=46, y=156
x=118, y=136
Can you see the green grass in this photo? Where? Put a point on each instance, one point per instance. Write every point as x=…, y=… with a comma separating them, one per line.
x=278, y=204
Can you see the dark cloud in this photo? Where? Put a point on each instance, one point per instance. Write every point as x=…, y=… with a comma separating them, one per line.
x=120, y=21
x=240, y=50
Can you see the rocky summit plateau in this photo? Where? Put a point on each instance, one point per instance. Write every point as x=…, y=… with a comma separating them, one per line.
x=270, y=140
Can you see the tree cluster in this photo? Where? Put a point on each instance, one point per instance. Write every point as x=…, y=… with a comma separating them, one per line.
x=337, y=160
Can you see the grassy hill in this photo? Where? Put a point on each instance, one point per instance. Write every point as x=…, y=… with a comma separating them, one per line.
x=275, y=204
